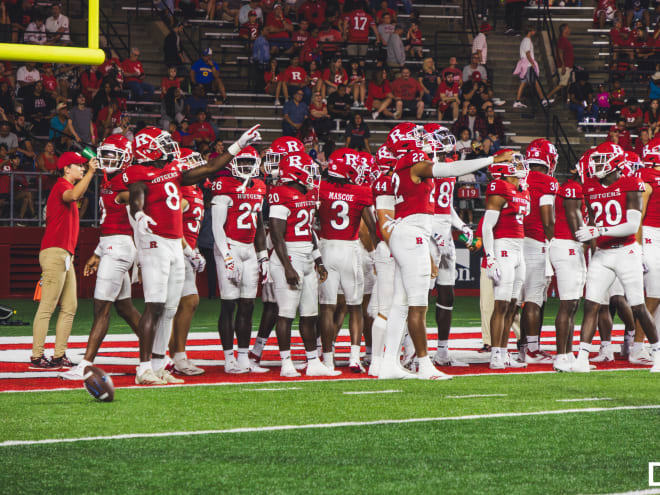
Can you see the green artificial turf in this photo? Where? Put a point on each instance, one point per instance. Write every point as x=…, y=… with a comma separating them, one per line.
x=593, y=452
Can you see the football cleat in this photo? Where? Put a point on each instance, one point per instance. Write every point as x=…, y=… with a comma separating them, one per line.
x=538, y=357
x=512, y=362
x=562, y=363
x=374, y=367
x=148, y=377
x=232, y=367
x=427, y=372
x=41, y=363
x=394, y=372
x=186, y=367
x=168, y=377
x=255, y=368
x=581, y=365
x=316, y=368
x=288, y=370
x=656, y=362
x=75, y=373
x=447, y=360
x=496, y=362
x=408, y=360
x=640, y=356
x=355, y=367
x=61, y=362
x=605, y=355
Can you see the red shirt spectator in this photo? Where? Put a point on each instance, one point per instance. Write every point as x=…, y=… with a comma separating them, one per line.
x=301, y=35
x=309, y=50
x=314, y=78
x=377, y=92
x=183, y=137
x=249, y=30
x=319, y=108
x=566, y=48
x=620, y=35
x=357, y=25
x=132, y=66
x=330, y=40
x=50, y=82
x=278, y=26
x=339, y=77
x=90, y=83
x=313, y=11
x=167, y=83
x=458, y=74
x=630, y=115
x=108, y=65
x=448, y=90
x=202, y=130
x=294, y=74
x=406, y=89
x=115, y=118
x=382, y=12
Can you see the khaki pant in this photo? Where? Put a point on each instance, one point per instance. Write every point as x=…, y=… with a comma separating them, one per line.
x=58, y=286
x=486, y=306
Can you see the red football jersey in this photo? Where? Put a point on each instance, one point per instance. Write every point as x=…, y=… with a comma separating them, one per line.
x=511, y=220
x=651, y=176
x=608, y=204
x=358, y=24
x=568, y=190
x=411, y=198
x=162, y=200
x=443, y=195
x=241, y=223
x=193, y=214
x=301, y=208
x=114, y=217
x=382, y=187
x=539, y=184
x=341, y=208
x=295, y=75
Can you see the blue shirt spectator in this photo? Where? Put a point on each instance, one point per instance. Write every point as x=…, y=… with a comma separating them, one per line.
x=203, y=71
x=654, y=87
x=196, y=101
x=295, y=112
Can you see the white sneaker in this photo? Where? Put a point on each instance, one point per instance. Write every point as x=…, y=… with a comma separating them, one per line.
x=186, y=367
x=148, y=377
x=232, y=367
x=518, y=104
x=167, y=377
x=355, y=367
x=374, y=368
x=316, y=368
x=562, y=363
x=408, y=360
x=510, y=362
x=431, y=373
x=496, y=362
x=288, y=369
x=255, y=368
x=374, y=115
x=75, y=373
x=448, y=360
x=394, y=372
x=581, y=366
x=604, y=355
x=277, y=103
x=656, y=362
x=538, y=357
x=640, y=357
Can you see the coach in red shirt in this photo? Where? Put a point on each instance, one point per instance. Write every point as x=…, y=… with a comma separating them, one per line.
x=58, y=277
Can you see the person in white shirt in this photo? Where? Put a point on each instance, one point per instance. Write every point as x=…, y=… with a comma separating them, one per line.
x=57, y=27
x=26, y=76
x=35, y=34
x=480, y=44
x=528, y=70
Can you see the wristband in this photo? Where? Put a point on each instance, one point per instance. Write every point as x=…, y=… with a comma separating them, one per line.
x=316, y=254
x=262, y=254
x=98, y=251
x=234, y=149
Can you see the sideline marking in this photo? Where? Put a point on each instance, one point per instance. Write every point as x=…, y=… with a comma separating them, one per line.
x=372, y=392
x=11, y=443
x=271, y=389
x=650, y=491
x=583, y=400
x=473, y=395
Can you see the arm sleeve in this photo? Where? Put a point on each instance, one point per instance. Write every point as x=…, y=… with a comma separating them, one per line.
x=385, y=202
x=219, y=207
x=456, y=221
x=547, y=199
x=460, y=167
x=279, y=211
x=490, y=220
x=629, y=227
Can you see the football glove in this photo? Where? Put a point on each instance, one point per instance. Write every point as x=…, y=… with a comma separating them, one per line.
x=264, y=269
x=250, y=136
x=143, y=222
x=587, y=232
x=467, y=231
x=493, y=270
x=197, y=261
x=233, y=273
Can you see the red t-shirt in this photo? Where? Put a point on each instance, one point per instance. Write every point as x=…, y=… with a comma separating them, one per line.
x=62, y=219
x=341, y=208
x=330, y=40
x=167, y=83
x=272, y=21
x=103, y=114
x=299, y=37
x=202, y=130
x=50, y=83
x=458, y=74
x=314, y=12
x=382, y=12
x=186, y=139
x=358, y=24
x=406, y=89
x=445, y=90
x=565, y=46
x=295, y=75
x=631, y=116
x=339, y=77
x=129, y=65
x=249, y=30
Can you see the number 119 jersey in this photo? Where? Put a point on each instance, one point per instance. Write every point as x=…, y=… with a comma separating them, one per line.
x=341, y=208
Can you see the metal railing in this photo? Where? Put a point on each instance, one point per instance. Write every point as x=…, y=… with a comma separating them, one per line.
x=113, y=37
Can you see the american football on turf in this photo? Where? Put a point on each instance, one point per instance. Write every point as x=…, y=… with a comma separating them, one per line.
x=99, y=384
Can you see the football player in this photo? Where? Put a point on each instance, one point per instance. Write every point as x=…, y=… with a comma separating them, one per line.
x=241, y=255
x=443, y=250
x=541, y=156
x=409, y=243
x=155, y=205
x=503, y=233
x=296, y=259
x=345, y=200
x=567, y=258
x=615, y=204
x=115, y=254
x=193, y=214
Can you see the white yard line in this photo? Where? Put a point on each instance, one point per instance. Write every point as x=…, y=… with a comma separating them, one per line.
x=473, y=395
x=367, y=392
x=10, y=443
x=648, y=491
x=270, y=389
x=586, y=399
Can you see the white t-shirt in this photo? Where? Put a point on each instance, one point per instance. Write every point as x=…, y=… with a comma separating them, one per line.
x=479, y=43
x=526, y=45
x=53, y=25
x=27, y=76
x=35, y=35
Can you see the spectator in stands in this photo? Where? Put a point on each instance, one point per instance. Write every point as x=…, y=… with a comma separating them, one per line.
x=58, y=124
x=315, y=77
x=47, y=162
x=621, y=39
x=25, y=148
x=654, y=86
x=357, y=84
x=207, y=73
x=169, y=81
x=166, y=9
x=652, y=117
x=357, y=134
x=340, y=103
x=480, y=44
x=202, y=130
x=617, y=99
x=330, y=42
x=355, y=26
x=261, y=59
x=429, y=79
x=196, y=101
x=463, y=143
x=172, y=49
x=295, y=112
x=245, y=10
x=26, y=76
x=333, y=77
x=319, y=116
x=414, y=43
x=294, y=78
x=134, y=78
x=230, y=10
x=581, y=98
x=57, y=27
x=50, y=83
x=474, y=91
x=249, y=31
x=605, y=11
x=453, y=68
x=386, y=29
x=379, y=95
x=447, y=97
x=565, y=59
x=187, y=7
x=407, y=95
x=384, y=10
x=103, y=96
x=10, y=162
x=107, y=119
x=641, y=141
x=311, y=51
x=644, y=52
x=396, y=53
x=472, y=122
x=81, y=125
x=310, y=140
x=35, y=33
x=182, y=134
x=300, y=36
x=6, y=98
x=633, y=115
x=278, y=30
x=527, y=68
x=494, y=129
x=8, y=138
x=637, y=11
x=618, y=134
x=38, y=108
x=513, y=11
x=272, y=81
x=313, y=11
x=473, y=67
x=19, y=15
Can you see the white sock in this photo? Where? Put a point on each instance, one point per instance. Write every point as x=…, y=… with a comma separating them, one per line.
x=629, y=337
x=637, y=346
x=394, y=332
x=378, y=336
x=329, y=358
x=83, y=364
x=157, y=363
x=425, y=363
x=583, y=354
x=229, y=355
x=494, y=351
x=144, y=366
x=355, y=353
x=178, y=356
x=408, y=346
x=259, y=344
x=285, y=355
x=605, y=344
x=443, y=347
x=243, y=355
x=311, y=355
x=533, y=343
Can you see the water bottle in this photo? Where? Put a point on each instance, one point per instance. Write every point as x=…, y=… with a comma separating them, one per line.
x=476, y=243
x=88, y=153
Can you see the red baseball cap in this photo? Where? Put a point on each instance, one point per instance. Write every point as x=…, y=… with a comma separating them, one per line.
x=69, y=158
x=252, y=12
x=485, y=27
x=476, y=76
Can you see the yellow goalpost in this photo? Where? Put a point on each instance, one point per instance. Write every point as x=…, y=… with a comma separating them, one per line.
x=91, y=55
